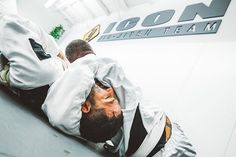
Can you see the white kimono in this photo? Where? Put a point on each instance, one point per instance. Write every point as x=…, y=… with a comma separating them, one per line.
x=31, y=52
x=67, y=94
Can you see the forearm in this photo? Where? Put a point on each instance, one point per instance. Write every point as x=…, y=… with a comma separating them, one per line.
x=111, y=74
x=65, y=97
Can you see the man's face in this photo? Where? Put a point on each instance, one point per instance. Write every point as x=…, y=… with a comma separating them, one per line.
x=105, y=99
x=101, y=115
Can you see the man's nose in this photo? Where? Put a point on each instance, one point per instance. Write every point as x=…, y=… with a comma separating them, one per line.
x=109, y=91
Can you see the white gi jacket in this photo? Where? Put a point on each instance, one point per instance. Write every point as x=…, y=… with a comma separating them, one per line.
x=31, y=52
x=67, y=94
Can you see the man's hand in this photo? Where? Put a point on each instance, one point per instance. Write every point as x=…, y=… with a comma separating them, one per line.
x=4, y=75
x=4, y=70
x=64, y=60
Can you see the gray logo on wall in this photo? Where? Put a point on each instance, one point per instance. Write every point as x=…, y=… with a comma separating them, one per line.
x=217, y=8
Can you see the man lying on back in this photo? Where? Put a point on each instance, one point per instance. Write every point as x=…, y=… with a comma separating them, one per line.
x=94, y=100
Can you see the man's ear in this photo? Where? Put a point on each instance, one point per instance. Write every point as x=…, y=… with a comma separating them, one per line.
x=86, y=107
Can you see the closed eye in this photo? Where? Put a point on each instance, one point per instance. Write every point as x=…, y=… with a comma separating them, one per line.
x=107, y=97
x=103, y=87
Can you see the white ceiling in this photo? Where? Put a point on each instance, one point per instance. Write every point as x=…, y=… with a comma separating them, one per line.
x=82, y=10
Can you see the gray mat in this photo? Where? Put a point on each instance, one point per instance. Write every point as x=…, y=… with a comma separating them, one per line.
x=25, y=132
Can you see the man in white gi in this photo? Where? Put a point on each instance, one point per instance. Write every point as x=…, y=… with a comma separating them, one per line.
x=94, y=100
x=30, y=59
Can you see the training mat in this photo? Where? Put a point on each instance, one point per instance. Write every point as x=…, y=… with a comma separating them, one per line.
x=26, y=132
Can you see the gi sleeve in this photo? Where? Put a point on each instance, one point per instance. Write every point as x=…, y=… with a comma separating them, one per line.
x=17, y=30
x=65, y=97
x=111, y=74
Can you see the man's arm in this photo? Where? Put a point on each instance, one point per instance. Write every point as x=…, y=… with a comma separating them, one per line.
x=65, y=97
x=111, y=74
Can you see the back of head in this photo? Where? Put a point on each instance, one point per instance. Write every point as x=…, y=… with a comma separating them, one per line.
x=76, y=49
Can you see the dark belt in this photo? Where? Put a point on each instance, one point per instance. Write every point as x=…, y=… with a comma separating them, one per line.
x=164, y=138
x=34, y=97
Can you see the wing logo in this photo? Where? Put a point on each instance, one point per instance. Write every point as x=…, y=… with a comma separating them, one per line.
x=92, y=33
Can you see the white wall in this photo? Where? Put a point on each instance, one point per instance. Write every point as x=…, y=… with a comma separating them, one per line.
x=8, y=6
x=36, y=12
x=192, y=77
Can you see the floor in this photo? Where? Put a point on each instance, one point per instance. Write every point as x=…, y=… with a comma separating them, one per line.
x=25, y=132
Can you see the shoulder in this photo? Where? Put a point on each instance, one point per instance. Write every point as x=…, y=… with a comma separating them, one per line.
x=12, y=18
x=105, y=61
x=86, y=60
x=18, y=23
